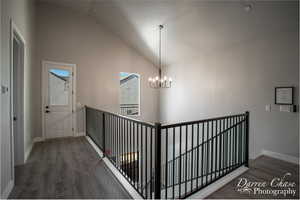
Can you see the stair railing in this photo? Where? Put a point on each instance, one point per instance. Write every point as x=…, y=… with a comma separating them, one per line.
x=170, y=161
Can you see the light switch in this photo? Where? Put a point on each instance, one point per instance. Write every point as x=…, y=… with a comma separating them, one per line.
x=4, y=89
x=268, y=108
x=285, y=108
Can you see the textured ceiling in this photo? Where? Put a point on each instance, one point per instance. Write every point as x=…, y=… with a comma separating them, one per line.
x=192, y=27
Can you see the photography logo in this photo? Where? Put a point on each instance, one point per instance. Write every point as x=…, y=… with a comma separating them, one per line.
x=277, y=186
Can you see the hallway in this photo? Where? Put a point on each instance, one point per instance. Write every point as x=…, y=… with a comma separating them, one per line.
x=66, y=168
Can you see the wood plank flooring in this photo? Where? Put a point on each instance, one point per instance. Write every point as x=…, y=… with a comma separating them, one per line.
x=70, y=168
x=262, y=169
x=66, y=168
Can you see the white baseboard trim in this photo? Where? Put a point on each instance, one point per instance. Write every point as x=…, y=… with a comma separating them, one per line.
x=94, y=146
x=133, y=193
x=205, y=192
x=28, y=151
x=7, y=190
x=38, y=139
x=79, y=134
x=280, y=156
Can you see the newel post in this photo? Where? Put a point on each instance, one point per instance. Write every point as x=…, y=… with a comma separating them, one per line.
x=247, y=114
x=157, y=183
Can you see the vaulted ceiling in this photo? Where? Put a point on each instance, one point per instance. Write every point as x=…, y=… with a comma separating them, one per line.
x=192, y=27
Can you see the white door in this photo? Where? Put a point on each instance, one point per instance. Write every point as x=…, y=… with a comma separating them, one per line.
x=58, y=100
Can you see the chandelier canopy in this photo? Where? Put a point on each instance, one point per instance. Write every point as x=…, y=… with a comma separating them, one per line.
x=159, y=81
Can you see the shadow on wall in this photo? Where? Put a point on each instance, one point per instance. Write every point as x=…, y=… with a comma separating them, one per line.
x=124, y=27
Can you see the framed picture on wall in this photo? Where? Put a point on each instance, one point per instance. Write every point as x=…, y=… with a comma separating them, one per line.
x=284, y=95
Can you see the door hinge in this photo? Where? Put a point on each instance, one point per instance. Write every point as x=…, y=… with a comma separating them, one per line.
x=72, y=73
x=72, y=92
x=72, y=111
x=73, y=129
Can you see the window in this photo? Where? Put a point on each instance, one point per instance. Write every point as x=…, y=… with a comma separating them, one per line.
x=59, y=87
x=129, y=94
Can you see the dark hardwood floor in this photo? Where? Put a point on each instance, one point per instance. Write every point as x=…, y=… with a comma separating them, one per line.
x=262, y=169
x=66, y=168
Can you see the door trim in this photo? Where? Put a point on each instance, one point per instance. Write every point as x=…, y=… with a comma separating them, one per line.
x=74, y=115
x=15, y=31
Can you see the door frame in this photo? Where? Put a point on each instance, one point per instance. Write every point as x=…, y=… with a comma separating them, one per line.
x=15, y=32
x=74, y=113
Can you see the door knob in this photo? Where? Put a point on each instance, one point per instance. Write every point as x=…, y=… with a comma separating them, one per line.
x=47, y=107
x=47, y=111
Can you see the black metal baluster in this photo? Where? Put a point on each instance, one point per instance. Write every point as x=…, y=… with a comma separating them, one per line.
x=223, y=148
x=216, y=149
x=198, y=139
x=192, y=161
x=212, y=150
x=247, y=140
x=134, y=152
x=151, y=160
x=244, y=141
x=118, y=142
x=235, y=141
x=166, y=168
x=180, y=161
x=114, y=140
x=124, y=146
x=127, y=148
x=173, y=188
x=130, y=152
x=202, y=149
x=207, y=152
x=220, y=147
x=142, y=161
x=230, y=144
x=226, y=145
x=186, y=146
x=146, y=161
x=137, y=154
x=107, y=136
x=240, y=141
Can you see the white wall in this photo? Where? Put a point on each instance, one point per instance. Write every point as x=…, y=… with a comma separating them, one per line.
x=70, y=37
x=0, y=93
x=22, y=13
x=225, y=60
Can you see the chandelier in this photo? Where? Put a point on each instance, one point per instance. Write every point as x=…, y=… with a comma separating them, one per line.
x=159, y=81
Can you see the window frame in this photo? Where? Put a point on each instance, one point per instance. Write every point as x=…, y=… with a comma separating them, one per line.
x=139, y=94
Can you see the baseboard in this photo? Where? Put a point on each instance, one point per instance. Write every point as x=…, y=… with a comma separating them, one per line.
x=28, y=151
x=38, y=139
x=94, y=146
x=205, y=192
x=133, y=193
x=280, y=156
x=7, y=190
x=80, y=134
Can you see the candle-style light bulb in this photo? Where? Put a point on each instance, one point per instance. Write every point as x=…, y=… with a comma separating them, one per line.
x=170, y=79
x=157, y=78
x=150, y=79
